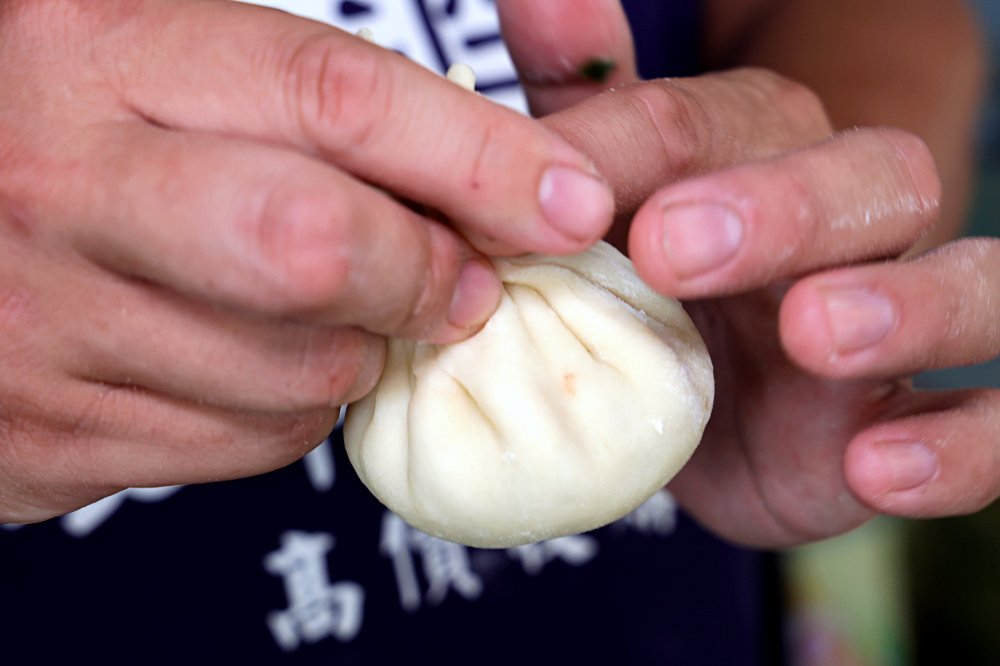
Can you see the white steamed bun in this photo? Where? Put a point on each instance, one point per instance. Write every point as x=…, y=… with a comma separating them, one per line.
x=580, y=398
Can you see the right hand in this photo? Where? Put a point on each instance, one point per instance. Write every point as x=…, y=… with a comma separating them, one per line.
x=197, y=256
x=813, y=327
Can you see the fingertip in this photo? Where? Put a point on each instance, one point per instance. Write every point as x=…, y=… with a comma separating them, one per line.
x=476, y=296
x=577, y=205
x=370, y=363
x=699, y=238
x=804, y=329
x=645, y=237
x=687, y=248
x=891, y=475
x=836, y=327
x=864, y=474
x=919, y=163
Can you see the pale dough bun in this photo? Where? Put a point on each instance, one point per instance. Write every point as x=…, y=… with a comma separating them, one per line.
x=582, y=396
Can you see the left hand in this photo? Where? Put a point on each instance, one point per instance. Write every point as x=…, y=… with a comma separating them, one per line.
x=776, y=232
x=197, y=247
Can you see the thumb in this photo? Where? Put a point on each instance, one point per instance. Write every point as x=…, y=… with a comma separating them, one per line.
x=567, y=50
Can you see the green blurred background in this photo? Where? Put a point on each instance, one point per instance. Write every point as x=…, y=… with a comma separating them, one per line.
x=921, y=593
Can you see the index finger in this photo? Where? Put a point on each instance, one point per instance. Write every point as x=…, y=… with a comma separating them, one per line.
x=242, y=70
x=671, y=129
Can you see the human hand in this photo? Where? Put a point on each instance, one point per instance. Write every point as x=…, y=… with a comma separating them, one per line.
x=778, y=234
x=197, y=256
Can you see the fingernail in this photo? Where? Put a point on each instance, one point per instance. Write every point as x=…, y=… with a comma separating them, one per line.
x=859, y=318
x=699, y=238
x=476, y=295
x=906, y=465
x=575, y=203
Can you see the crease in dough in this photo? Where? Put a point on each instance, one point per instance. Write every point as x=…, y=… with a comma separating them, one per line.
x=594, y=389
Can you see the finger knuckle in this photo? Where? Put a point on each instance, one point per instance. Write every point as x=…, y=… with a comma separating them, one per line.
x=338, y=91
x=302, y=240
x=680, y=122
x=804, y=105
x=801, y=105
